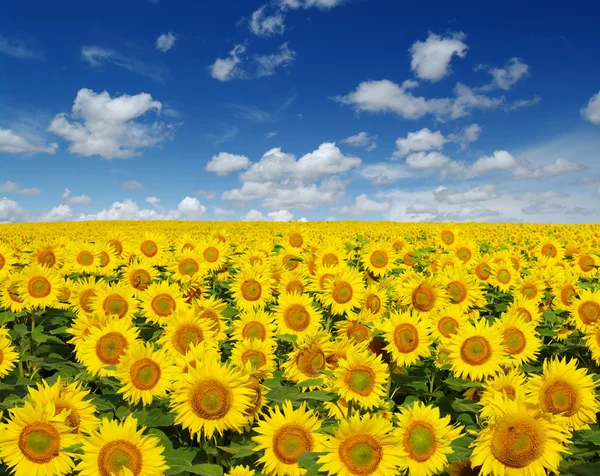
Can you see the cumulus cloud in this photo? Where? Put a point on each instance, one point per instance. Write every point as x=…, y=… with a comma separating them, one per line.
x=98, y=58
x=542, y=208
x=418, y=209
x=499, y=160
x=505, y=78
x=191, y=207
x=431, y=58
x=16, y=144
x=11, y=211
x=110, y=126
x=276, y=216
x=427, y=160
x=270, y=134
x=467, y=135
x=59, y=213
x=418, y=141
x=362, y=139
x=262, y=24
x=248, y=191
x=542, y=196
x=188, y=208
x=132, y=185
x=225, y=69
x=298, y=195
x=525, y=170
x=165, y=42
x=225, y=163
x=75, y=200
x=465, y=195
x=12, y=187
x=365, y=206
x=384, y=172
x=591, y=111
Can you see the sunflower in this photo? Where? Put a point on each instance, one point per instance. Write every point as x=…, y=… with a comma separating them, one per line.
x=151, y=248
x=108, y=261
x=71, y=397
x=254, y=324
x=409, y=257
x=585, y=310
x=564, y=289
x=284, y=436
x=105, y=345
x=504, y=276
x=447, y=236
x=331, y=254
x=115, y=301
x=296, y=239
x=463, y=290
x=446, y=322
x=119, y=448
x=586, y=263
x=214, y=253
x=566, y=390
x=64, y=295
x=212, y=397
x=360, y=377
x=464, y=250
x=550, y=248
x=251, y=287
x=7, y=260
x=197, y=353
x=185, y=329
x=528, y=310
x=138, y=275
x=187, y=265
x=354, y=329
x=145, y=373
x=84, y=291
x=423, y=294
x=296, y=315
x=48, y=255
x=39, y=287
x=195, y=289
x=82, y=258
x=186, y=242
x=520, y=339
x=519, y=441
x=308, y=359
x=363, y=445
x=160, y=301
x=511, y=384
x=482, y=267
x=319, y=280
x=376, y=301
x=120, y=243
x=8, y=354
x=344, y=291
x=240, y=470
x=378, y=258
x=408, y=337
x=254, y=356
x=9, y=293
x=592, y=339
x=426, y=439
x=293, y=282
x=530, y=288
x=211, y=310
x=476, y=351
x=34, y=439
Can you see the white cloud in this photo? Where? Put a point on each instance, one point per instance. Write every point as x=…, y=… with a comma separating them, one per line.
x=505, y=78
x=431, y=58
x=273, y=165
x=225, y=69
x=76, y=200
x=253, y=215
x=277, y=216
x=326, y=160
x=152, y=200
x=132, y=185
x=209, y=194
x=427, y=161
x=499, y=160
x=465, y=195
x=15, y=144
x=418, y=209
x=322, y=4
x=265, y=25
x=109, y=127
x=268, y=64
x=384, y=172
x=591, y=111
x=11, y=211
x=225, y=163
x=362, y=139
x=129, y=210
x=420, y=140
x=98, y=57
x=18, y=49
x=365, y=206
x=467, y=135
x=542, y=208
x=59, y=213
x=165, y=42
x=191, y=207
x=270, y=134
x=11, y=187
x=328, y=192
x=249, y=191
x=219, y=212
x=525, y=170
x=468, y=213
x=542, y=196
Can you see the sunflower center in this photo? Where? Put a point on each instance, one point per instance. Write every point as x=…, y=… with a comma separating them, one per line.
x=295, y=239
x=589, y=312
x=84, y=300
x=530, y=291
x=447, y=237
x=64, y=294
x=361, y=454
x=457, y=292
x=373, y=303
x=39, y=442
x=586, y=263
x=357, y=332
x=117, y=245
x=549, y=250
x=291, y=262
x=342, y=292
x=210, y=400
x=185, y=335
x=514, y=340
x=379, y=259
x=483, y=271
x=447, y=326
x=254, y=330
x=406, y=338
x=118, y=455
x=423, y=298
x=463, y=254
x=104, y=259
x=256, y=358
x=323, y=279
x=211, y=254
x=361, y=380
x=140, y=279
x=310, y=360
x=517, y=441
x=521, y=311
x=330, y=259
x=251, y=290
x=188, y=267
x=509, y=390
x=476, y=350
x=420, y=441
x=294, y=286
x=2, y=261
x=560, y=397
x=145, y=374
x=39, y=287
x=85, y=258
x=296, y=317
x=290, y=442
x=115, y=304
x=46, y=258
x=503, y=276
x=567, y=293
x=73, y=419
x=149, y=248
x=163, y=305
x=257, y=399
x=110, y=347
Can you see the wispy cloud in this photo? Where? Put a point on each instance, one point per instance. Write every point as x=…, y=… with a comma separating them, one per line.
x=98, y=58
x=253, y=113
x=228, y=134
x=18, y=49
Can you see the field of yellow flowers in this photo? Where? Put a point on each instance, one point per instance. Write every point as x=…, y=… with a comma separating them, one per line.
x=173, y=348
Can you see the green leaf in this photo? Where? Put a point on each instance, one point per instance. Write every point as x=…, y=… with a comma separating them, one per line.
x=464, y=406
x=154, y=418
x=288, y=338
x=311, y=382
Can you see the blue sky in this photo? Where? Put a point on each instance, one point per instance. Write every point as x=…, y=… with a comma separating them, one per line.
x=299, y=109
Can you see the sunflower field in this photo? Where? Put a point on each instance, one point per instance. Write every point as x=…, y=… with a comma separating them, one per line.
x=350, y=349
